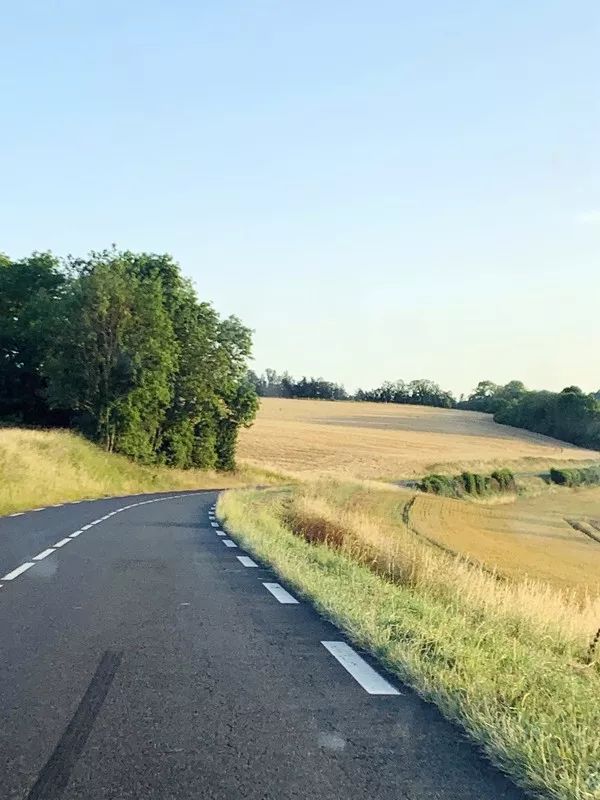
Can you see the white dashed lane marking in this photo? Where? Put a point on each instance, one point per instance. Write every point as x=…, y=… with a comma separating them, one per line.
x=221, y=533
x=43, y=554
x=246, y=561
x=62, y=542
x=228, y=543
x=280, y=593
x=10, y=576
x=370, y=680
x=215, y=524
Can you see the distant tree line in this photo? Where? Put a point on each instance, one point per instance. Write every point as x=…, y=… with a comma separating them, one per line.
x=272, y=384
x=570, y=415
x=119, y=346
x=419, y=392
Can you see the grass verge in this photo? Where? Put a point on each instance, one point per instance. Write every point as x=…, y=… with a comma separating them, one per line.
x=39, y=467
x=508, y=661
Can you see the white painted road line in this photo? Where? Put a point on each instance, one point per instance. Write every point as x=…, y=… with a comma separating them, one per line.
x=62, y=542
x=43, y=554
x=228, y=543
x=17, y=514
x=246, y=561
x=371, y=681
x=75, y=534
x=280, y=593
x=215, y=524
x=10, y=576
x=221, y=533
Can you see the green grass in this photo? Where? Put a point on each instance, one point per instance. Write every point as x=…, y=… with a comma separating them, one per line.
x=521, y=690
x=40, y=467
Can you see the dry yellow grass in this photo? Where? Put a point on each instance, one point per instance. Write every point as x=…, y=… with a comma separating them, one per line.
x=374, y=440
x=40, y=467
x=529, y=536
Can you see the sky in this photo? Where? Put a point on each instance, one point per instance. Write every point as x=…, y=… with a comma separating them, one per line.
x=379, y=190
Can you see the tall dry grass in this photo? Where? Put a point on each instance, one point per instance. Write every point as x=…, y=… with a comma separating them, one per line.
x=321, y=513
x=41, y=467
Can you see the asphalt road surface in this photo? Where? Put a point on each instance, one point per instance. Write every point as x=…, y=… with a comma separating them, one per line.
x=144, y=655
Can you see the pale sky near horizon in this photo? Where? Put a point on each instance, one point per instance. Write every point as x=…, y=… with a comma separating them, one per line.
x=381, y=190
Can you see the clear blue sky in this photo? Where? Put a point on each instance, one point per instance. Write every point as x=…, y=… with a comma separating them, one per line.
x=381, y=190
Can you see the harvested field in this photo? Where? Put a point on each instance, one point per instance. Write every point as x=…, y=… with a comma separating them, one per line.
x=532, y=536
x=389, y=442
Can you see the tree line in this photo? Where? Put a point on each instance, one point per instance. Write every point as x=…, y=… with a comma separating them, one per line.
x=118, y=345
x=570, y=415
x=272, y=384
x=419, y=392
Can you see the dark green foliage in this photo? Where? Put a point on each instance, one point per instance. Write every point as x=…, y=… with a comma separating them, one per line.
x=29, y=290
x=505, y=480
x=271, y=384
x=420, y=392
x=569, y=415
x=119, y=345
x=439, y=484
x=471, y=483
x=581, y=476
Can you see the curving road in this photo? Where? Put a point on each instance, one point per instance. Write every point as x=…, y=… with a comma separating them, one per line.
x=144, y=655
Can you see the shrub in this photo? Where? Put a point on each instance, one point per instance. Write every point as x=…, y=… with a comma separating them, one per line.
x=584, y=476
x=471, y=483
x=439, y=484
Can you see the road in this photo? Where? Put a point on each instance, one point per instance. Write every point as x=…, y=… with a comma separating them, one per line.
x=141, y=658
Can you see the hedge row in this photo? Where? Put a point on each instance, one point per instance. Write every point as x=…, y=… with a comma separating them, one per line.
x=583, y=476
x=471, y=483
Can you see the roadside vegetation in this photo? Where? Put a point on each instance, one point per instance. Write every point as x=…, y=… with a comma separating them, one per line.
x=514, y=661
x=43, y=467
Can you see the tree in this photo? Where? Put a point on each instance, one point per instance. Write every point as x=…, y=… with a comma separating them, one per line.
x=29, y=291
x=112, y=360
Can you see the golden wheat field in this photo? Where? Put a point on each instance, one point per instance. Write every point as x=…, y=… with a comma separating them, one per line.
x=380, y=441
x=528, y=536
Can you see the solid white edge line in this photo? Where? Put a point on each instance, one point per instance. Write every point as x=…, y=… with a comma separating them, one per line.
x=43, y=554
x=10, y=576
x=246, y=561
x=370, y=680
x=62, y=543
x=17, y=514
x=279, y=593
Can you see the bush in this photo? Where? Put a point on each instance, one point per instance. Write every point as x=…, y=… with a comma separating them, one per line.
x=439, y=484
x=471, y=483
x=584, y=476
